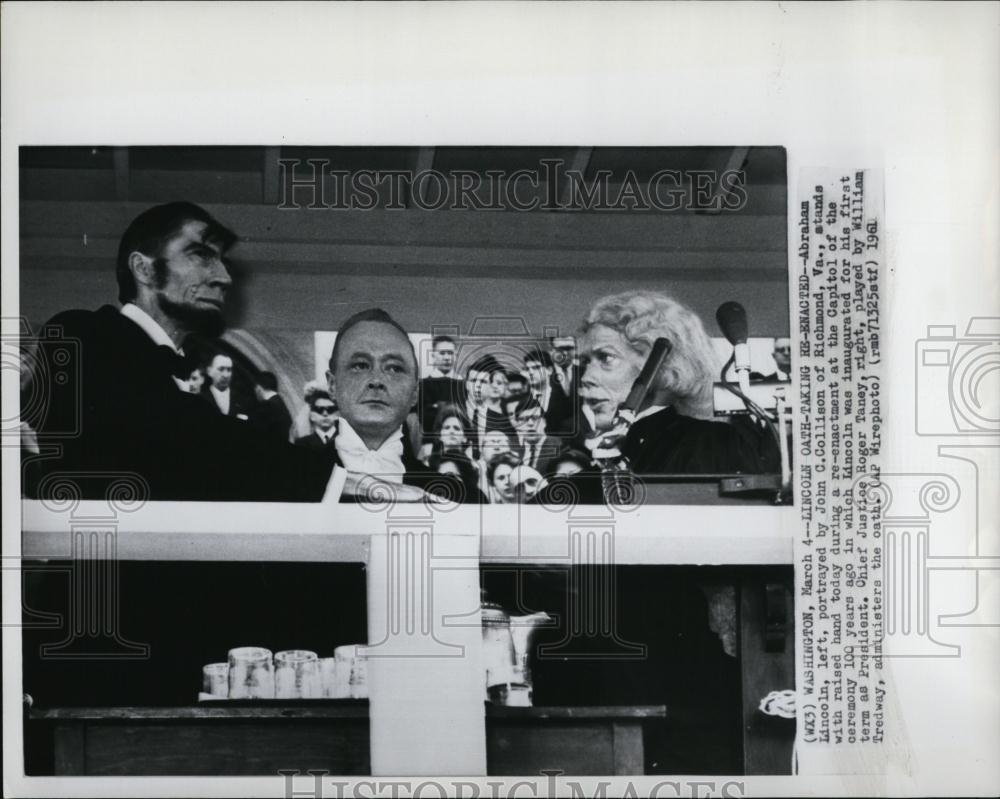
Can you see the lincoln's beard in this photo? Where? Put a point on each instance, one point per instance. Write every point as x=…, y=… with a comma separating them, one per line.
x=203, y=321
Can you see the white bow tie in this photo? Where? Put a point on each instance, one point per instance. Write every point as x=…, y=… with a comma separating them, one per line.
x=386, y=462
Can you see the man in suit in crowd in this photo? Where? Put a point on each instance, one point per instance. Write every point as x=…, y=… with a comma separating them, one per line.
x=271, y=414
x=486, y=383
x=566, y=367
x=172, y=281
x=217, y=390
x=557, y=406
x=782, y=359
x=441, y=387
x=323, y=418
x=534, y=448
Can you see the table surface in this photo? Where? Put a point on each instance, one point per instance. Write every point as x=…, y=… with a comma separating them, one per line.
x=324, y=709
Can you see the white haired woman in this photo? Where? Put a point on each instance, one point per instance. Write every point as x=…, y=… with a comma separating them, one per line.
x=672, y=433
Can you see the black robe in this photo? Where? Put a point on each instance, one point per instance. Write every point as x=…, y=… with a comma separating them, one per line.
x=669, y=443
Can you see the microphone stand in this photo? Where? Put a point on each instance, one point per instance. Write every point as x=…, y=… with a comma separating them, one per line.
x=760, y=416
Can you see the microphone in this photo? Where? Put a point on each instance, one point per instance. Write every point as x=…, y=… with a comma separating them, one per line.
x=732, y=319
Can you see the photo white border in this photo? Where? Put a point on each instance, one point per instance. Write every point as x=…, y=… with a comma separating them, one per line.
x=910, y=88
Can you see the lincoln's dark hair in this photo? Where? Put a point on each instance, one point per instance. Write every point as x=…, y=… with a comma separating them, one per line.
x=153, y=228
x=267, y=381
x=369, y=315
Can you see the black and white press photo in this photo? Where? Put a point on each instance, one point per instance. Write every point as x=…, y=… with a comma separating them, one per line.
x=477, y=325
x=499, y=399
x=368, y=339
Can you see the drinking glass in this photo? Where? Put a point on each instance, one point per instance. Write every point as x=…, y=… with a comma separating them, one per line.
x=296, y=674
x=352, y=668
x=215, y=679
x=251, y=673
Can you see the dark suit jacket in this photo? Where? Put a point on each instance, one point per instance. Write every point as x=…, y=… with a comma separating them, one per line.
x=548, y=451
x=560, y=415
x=236, y=406
x=495, y=420
x=434, y=393
x=315, y=443
x=272, y=418
x=125, y=415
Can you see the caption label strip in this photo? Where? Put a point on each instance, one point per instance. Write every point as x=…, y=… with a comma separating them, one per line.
x=839, y=590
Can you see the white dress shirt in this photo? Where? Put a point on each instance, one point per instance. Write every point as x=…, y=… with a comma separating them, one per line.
x=221, y=399
x=152, y=329
x=386, y=462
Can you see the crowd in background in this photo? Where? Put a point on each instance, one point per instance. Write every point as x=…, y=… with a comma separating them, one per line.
x=477, y=425
x=497, y=418
x=482, y=425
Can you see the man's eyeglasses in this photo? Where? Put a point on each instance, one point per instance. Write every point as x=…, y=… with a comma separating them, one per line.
x=324, y=409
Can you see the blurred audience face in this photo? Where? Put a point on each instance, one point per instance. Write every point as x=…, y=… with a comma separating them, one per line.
x=220, y=370
x=450, y=468
x=475, y=386
x=196, y=380
x=444, y=357
x=563, y=351
x=497, y=388
x=494, y=443
x=517, y=386
x=502, y=482
x=374, y=381
x=525, y=483
x=612, y=367
x=530, y=423
x=322, y=414
x=783, y=354
x=537, y=374
x=452, y=433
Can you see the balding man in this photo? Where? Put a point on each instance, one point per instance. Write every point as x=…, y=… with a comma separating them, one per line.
x=372, y=377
